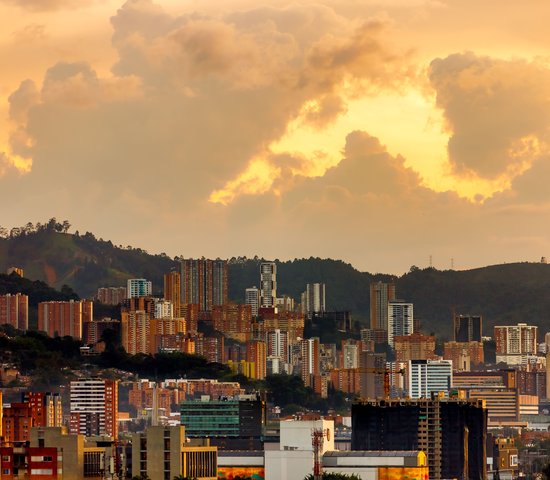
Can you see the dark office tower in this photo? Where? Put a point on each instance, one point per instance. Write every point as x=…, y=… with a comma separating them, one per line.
x=204, y=283
x=452, y=432
x=380, y=294
x=468, y=328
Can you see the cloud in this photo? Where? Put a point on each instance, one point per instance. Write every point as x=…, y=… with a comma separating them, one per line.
x=497, y=112
x=48, y=5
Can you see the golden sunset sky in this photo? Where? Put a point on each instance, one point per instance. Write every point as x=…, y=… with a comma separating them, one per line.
x=376, y=132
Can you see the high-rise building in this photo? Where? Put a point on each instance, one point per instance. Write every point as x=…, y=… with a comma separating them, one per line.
x=314, y=298
x=400, y=319
x=429, y=376
x=464, y=355
x=92, y=332
x=14, y=310
x=233, y=320
x=351, y=351
x=451, y=432
x=268, y=284
x=59, y=319
x=139, y=287
x=414, y=347
x=164, y=309
x=204, y=283
x=46, y=408
x=468, y=328
x=94, y=407
x=310, y=360
x=252, y=298
x=256, y=354
x=135, y=331
x=380, y=295
x=277, y=345
x=172, y=290
x=520, y=339
x=37, y=409
x=111, y=295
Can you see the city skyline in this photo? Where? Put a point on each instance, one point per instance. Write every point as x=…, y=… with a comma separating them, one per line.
x=397, y=132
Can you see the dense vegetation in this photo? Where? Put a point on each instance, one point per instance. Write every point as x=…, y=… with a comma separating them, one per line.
x=506, y=294
x=53, y=362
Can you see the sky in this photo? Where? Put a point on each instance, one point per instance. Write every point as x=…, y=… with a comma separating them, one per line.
x=385, y=133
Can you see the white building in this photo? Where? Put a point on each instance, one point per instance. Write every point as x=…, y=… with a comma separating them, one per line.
x=252, y=298
x=315, y=298
x=139, y=287
x=94, y=407
x=400, y=319
x=429, y=376
x=350, y=355
x=277, y=345
x=268, y=284
x=164, y=309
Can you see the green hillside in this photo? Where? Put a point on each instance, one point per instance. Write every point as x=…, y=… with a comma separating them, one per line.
x=503, y=294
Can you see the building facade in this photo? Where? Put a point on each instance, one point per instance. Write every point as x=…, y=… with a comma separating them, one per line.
x=427, y=377
x=380, y=295
x=139, y=287
x=204, y=283
x=14, y=310
x=59, y=319
x=268, y=284
x=400, y=319
x=468, y=328
x=94, y=407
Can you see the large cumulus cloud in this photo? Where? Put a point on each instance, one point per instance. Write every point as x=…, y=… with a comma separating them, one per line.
x=497, y=112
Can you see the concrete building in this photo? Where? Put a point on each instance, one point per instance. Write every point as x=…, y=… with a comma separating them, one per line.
x=163, y=453
x=94, y=407
x=14, y=310
x=59, y=319
x=111, y=295
x=256, y=354
x=414, y=347
x=427, y=377
x=464, y=355
x=520, y=339
x=380, y=295
x=468, y=328
x=315, y=298
x=172, y=290
x=252, y=298
x=278, y=345
x=451, y=432
x=268, y=284
x=204, y=283
x=139, y=287
x=135, y=331
x=310, y=360
x=400, y=319
x=235, y=423
x=233, y=320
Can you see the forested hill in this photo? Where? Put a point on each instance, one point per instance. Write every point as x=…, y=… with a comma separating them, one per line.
x=503, y=294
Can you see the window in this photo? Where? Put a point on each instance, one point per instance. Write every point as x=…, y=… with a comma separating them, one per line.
x=6, y=471
x=6, y=458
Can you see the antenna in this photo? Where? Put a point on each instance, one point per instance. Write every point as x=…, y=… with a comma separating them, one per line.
x=452, y=263
x=431, y=263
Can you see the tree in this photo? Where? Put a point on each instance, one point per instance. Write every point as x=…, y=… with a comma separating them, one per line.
x=66, y=225
x=141, y=476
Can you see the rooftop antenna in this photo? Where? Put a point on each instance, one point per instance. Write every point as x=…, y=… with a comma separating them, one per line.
x=452, y=263
x=431, y=263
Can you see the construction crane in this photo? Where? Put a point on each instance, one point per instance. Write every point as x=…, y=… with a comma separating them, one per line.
x=382, y=371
